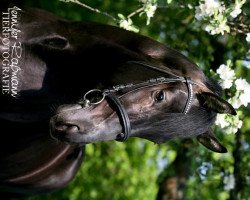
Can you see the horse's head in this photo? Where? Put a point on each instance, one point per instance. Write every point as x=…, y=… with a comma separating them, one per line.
x=157, y=109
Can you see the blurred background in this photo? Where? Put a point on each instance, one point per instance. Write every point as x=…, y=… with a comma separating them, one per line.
x=179, y=169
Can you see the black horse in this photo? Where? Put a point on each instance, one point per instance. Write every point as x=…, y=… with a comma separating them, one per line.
x=49, y=110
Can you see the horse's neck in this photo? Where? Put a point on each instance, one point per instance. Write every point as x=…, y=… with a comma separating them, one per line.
x=30, y=143
x=17, y=135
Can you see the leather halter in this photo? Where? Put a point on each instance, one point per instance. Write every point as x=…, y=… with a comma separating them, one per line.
x=116, y=104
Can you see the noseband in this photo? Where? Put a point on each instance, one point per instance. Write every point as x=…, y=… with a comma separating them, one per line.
x=115, y=103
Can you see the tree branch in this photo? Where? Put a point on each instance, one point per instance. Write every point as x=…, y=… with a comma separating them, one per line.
x=135, y=12
x=235, y=193
x=91, y=9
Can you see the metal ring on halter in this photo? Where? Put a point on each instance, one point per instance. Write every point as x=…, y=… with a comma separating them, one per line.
x=87, y=102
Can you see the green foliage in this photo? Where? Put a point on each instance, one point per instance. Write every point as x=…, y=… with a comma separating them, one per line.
x=114, y=170
x=130, y=170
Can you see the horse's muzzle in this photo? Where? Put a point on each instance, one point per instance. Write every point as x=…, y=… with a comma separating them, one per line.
x=59, y=127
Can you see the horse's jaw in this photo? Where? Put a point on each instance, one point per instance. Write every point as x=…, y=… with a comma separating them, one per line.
x=74, y=124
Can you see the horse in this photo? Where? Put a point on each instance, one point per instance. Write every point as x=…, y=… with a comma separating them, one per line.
x=66, y=84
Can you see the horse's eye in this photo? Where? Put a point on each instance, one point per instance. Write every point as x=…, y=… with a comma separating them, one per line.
x=56, y=42
x=159, y=96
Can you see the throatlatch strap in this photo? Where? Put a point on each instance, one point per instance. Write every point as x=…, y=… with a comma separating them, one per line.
x=123, y=116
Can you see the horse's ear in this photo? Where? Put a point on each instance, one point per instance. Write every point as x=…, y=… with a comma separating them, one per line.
x=216, y=103
x=211, y=142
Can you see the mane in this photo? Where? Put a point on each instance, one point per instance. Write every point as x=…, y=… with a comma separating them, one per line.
x=168, y=126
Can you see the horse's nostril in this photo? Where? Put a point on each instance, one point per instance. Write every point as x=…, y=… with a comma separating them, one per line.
x=73, y=129
x=67, y=128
